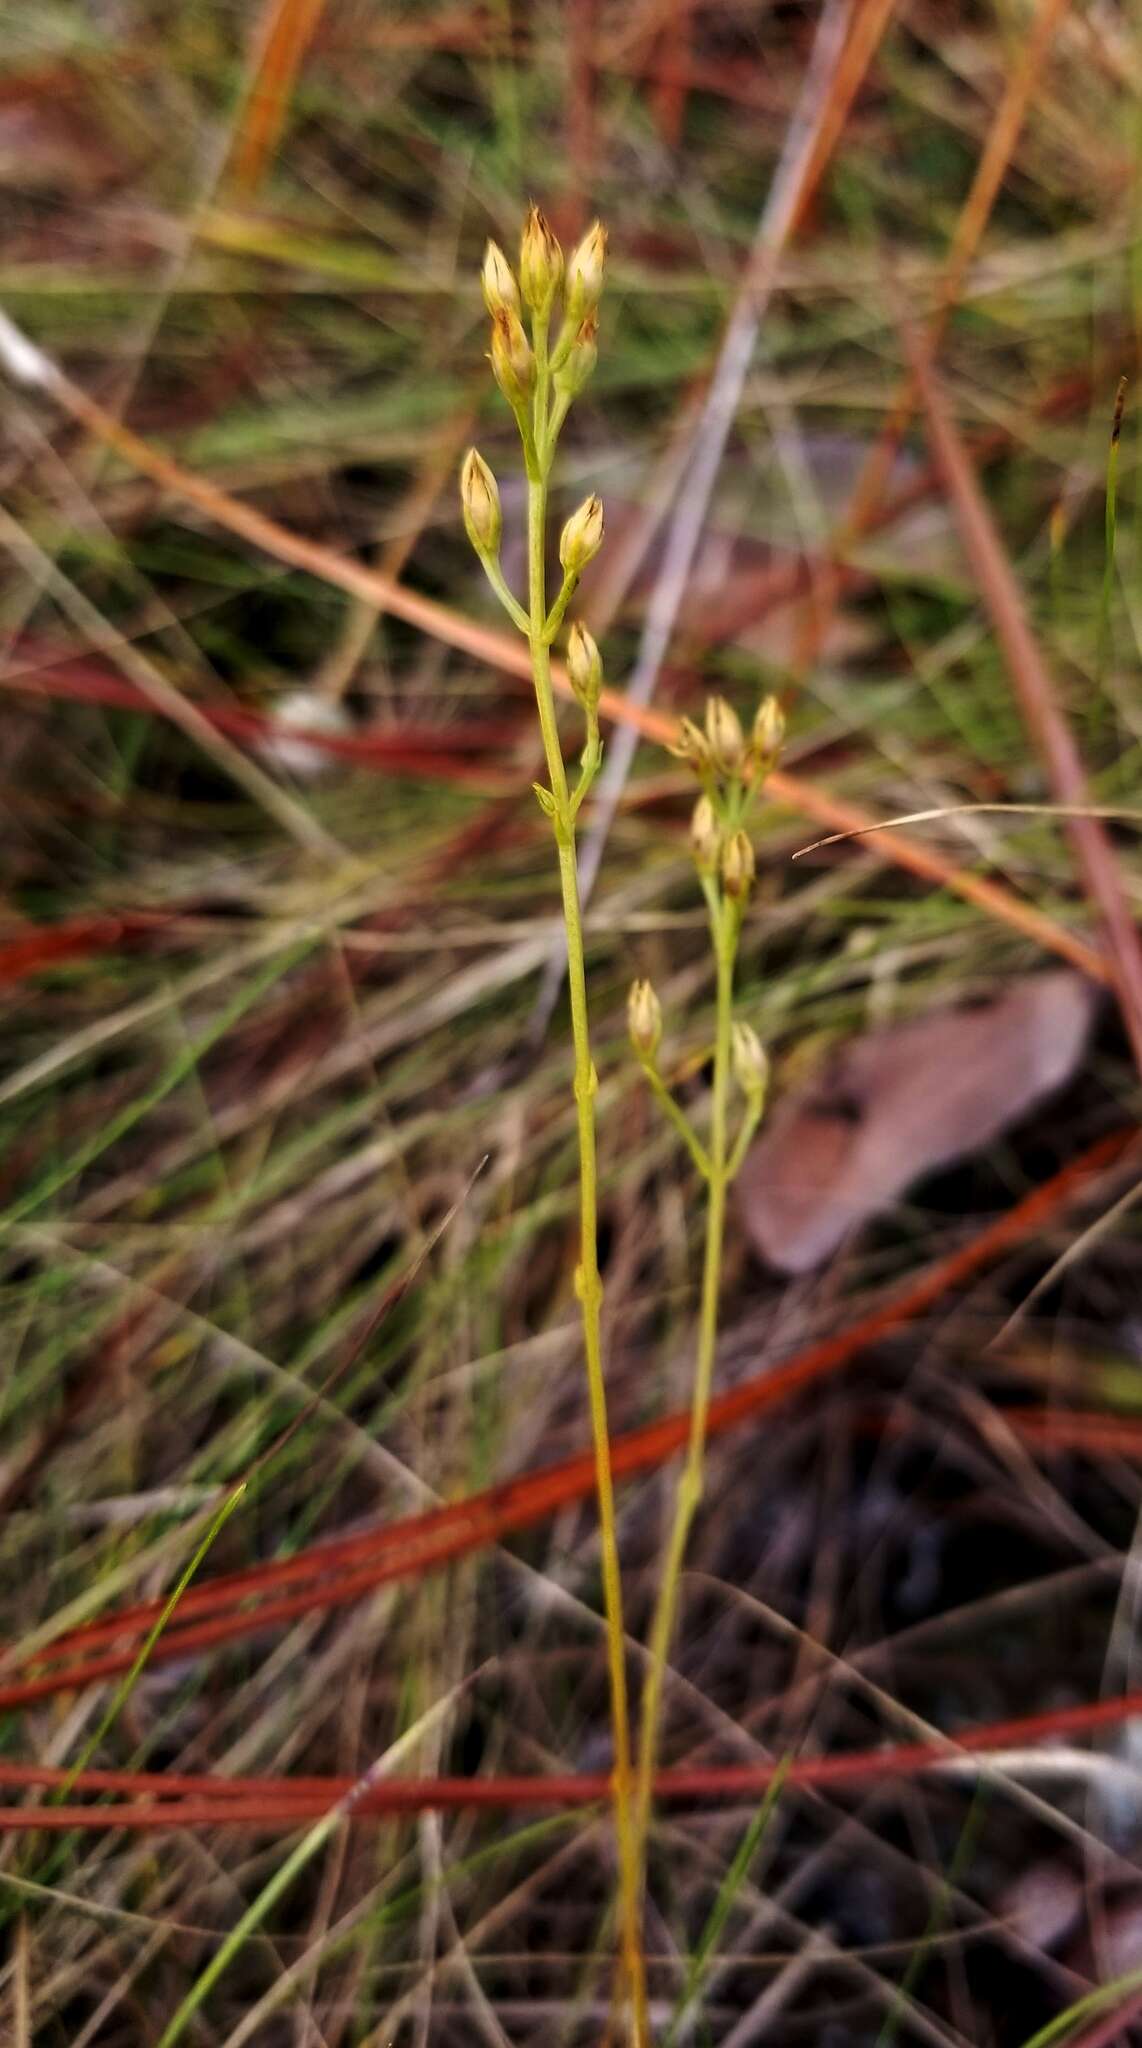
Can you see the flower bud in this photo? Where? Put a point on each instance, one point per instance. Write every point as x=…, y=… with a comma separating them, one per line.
x=540, y=262
x=767, y=735
x=751, y=1067
x=724, y=733
x=584, y=666
x=644, y=1019
x=480, y=503
x=512, y=361
x=737, y=864
x=579, y=362
x=497, y=280
x=692, y=745
x=584, y=284
x=582, y=537
x=705, y=836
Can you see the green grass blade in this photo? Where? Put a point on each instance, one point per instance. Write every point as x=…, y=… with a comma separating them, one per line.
x=130, y=1678
x=313, y=1840
x=1085, y=2008
x=727, y=1892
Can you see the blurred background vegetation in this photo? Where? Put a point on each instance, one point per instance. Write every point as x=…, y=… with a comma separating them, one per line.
x=284, y=1088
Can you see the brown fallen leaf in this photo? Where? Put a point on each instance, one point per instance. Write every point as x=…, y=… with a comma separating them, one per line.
x=895, y=1105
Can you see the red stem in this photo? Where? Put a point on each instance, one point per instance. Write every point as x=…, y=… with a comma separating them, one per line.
x=420, y=1542
x=259, y=1802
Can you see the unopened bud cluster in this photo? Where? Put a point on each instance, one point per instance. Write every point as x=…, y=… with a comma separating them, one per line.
x=539, y=383
x=730, y=767
x=722, y=753
x=543, y=272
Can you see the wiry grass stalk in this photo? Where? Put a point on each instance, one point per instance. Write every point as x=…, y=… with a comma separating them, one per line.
x=540, y=385
x=690, y=1485
x=588, y=1284
x=730, y=772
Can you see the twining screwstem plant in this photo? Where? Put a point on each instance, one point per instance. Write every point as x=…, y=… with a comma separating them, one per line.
x=731, y=770
x=540, y=380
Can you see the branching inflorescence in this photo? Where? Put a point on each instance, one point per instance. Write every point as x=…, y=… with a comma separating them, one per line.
x=731, y=770
x=540, y=379
x=540, y=382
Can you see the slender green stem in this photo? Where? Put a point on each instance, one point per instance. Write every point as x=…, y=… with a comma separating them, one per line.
x=562, y=349
x=588, y=1283
x=591, y=761
x=511, y=604
x=559, y=412
x=539, y=401
x=128, y=1682
x=558, y=612
x=750, y=1122
x=540, y=653
x=679, y=1119
x=724, y=924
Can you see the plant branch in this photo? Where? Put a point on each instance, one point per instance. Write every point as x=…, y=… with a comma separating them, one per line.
x=724, y=925
x=588, y=1284
x=679, y=1119
x=511, y=605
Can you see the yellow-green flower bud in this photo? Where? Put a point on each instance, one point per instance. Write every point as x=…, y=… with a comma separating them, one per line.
x=724, y=733
x=692, y=745
x=540, y=262
x=584, y=666
x=480, y=503
x=513, y=363
x=579, y=362
x=644, y=1019
x=497, y=280
x=705, y=836
x=767, y=735
x=737, y=864
x=751, y=1067
x=582, y=537
x=584, y=285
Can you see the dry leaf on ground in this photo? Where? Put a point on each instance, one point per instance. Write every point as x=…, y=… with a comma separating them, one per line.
x=895, y=1105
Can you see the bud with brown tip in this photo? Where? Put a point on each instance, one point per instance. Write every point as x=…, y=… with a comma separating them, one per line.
x=585, y=268
x=582, y=537
x=724, y=733
x=767, y=736
x=480, y=503
x=584, y=666
x=737, y=865
x=705, y=837
x=497, y=281
x=751, y=1067
x=540, y=262
x=579, y=362
x=513, y=363
x=692, y=745
x=644, y=1019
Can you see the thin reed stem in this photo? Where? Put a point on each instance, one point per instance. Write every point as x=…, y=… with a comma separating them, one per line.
x=724, y=925
x=539, y=388
x=588, y=1284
